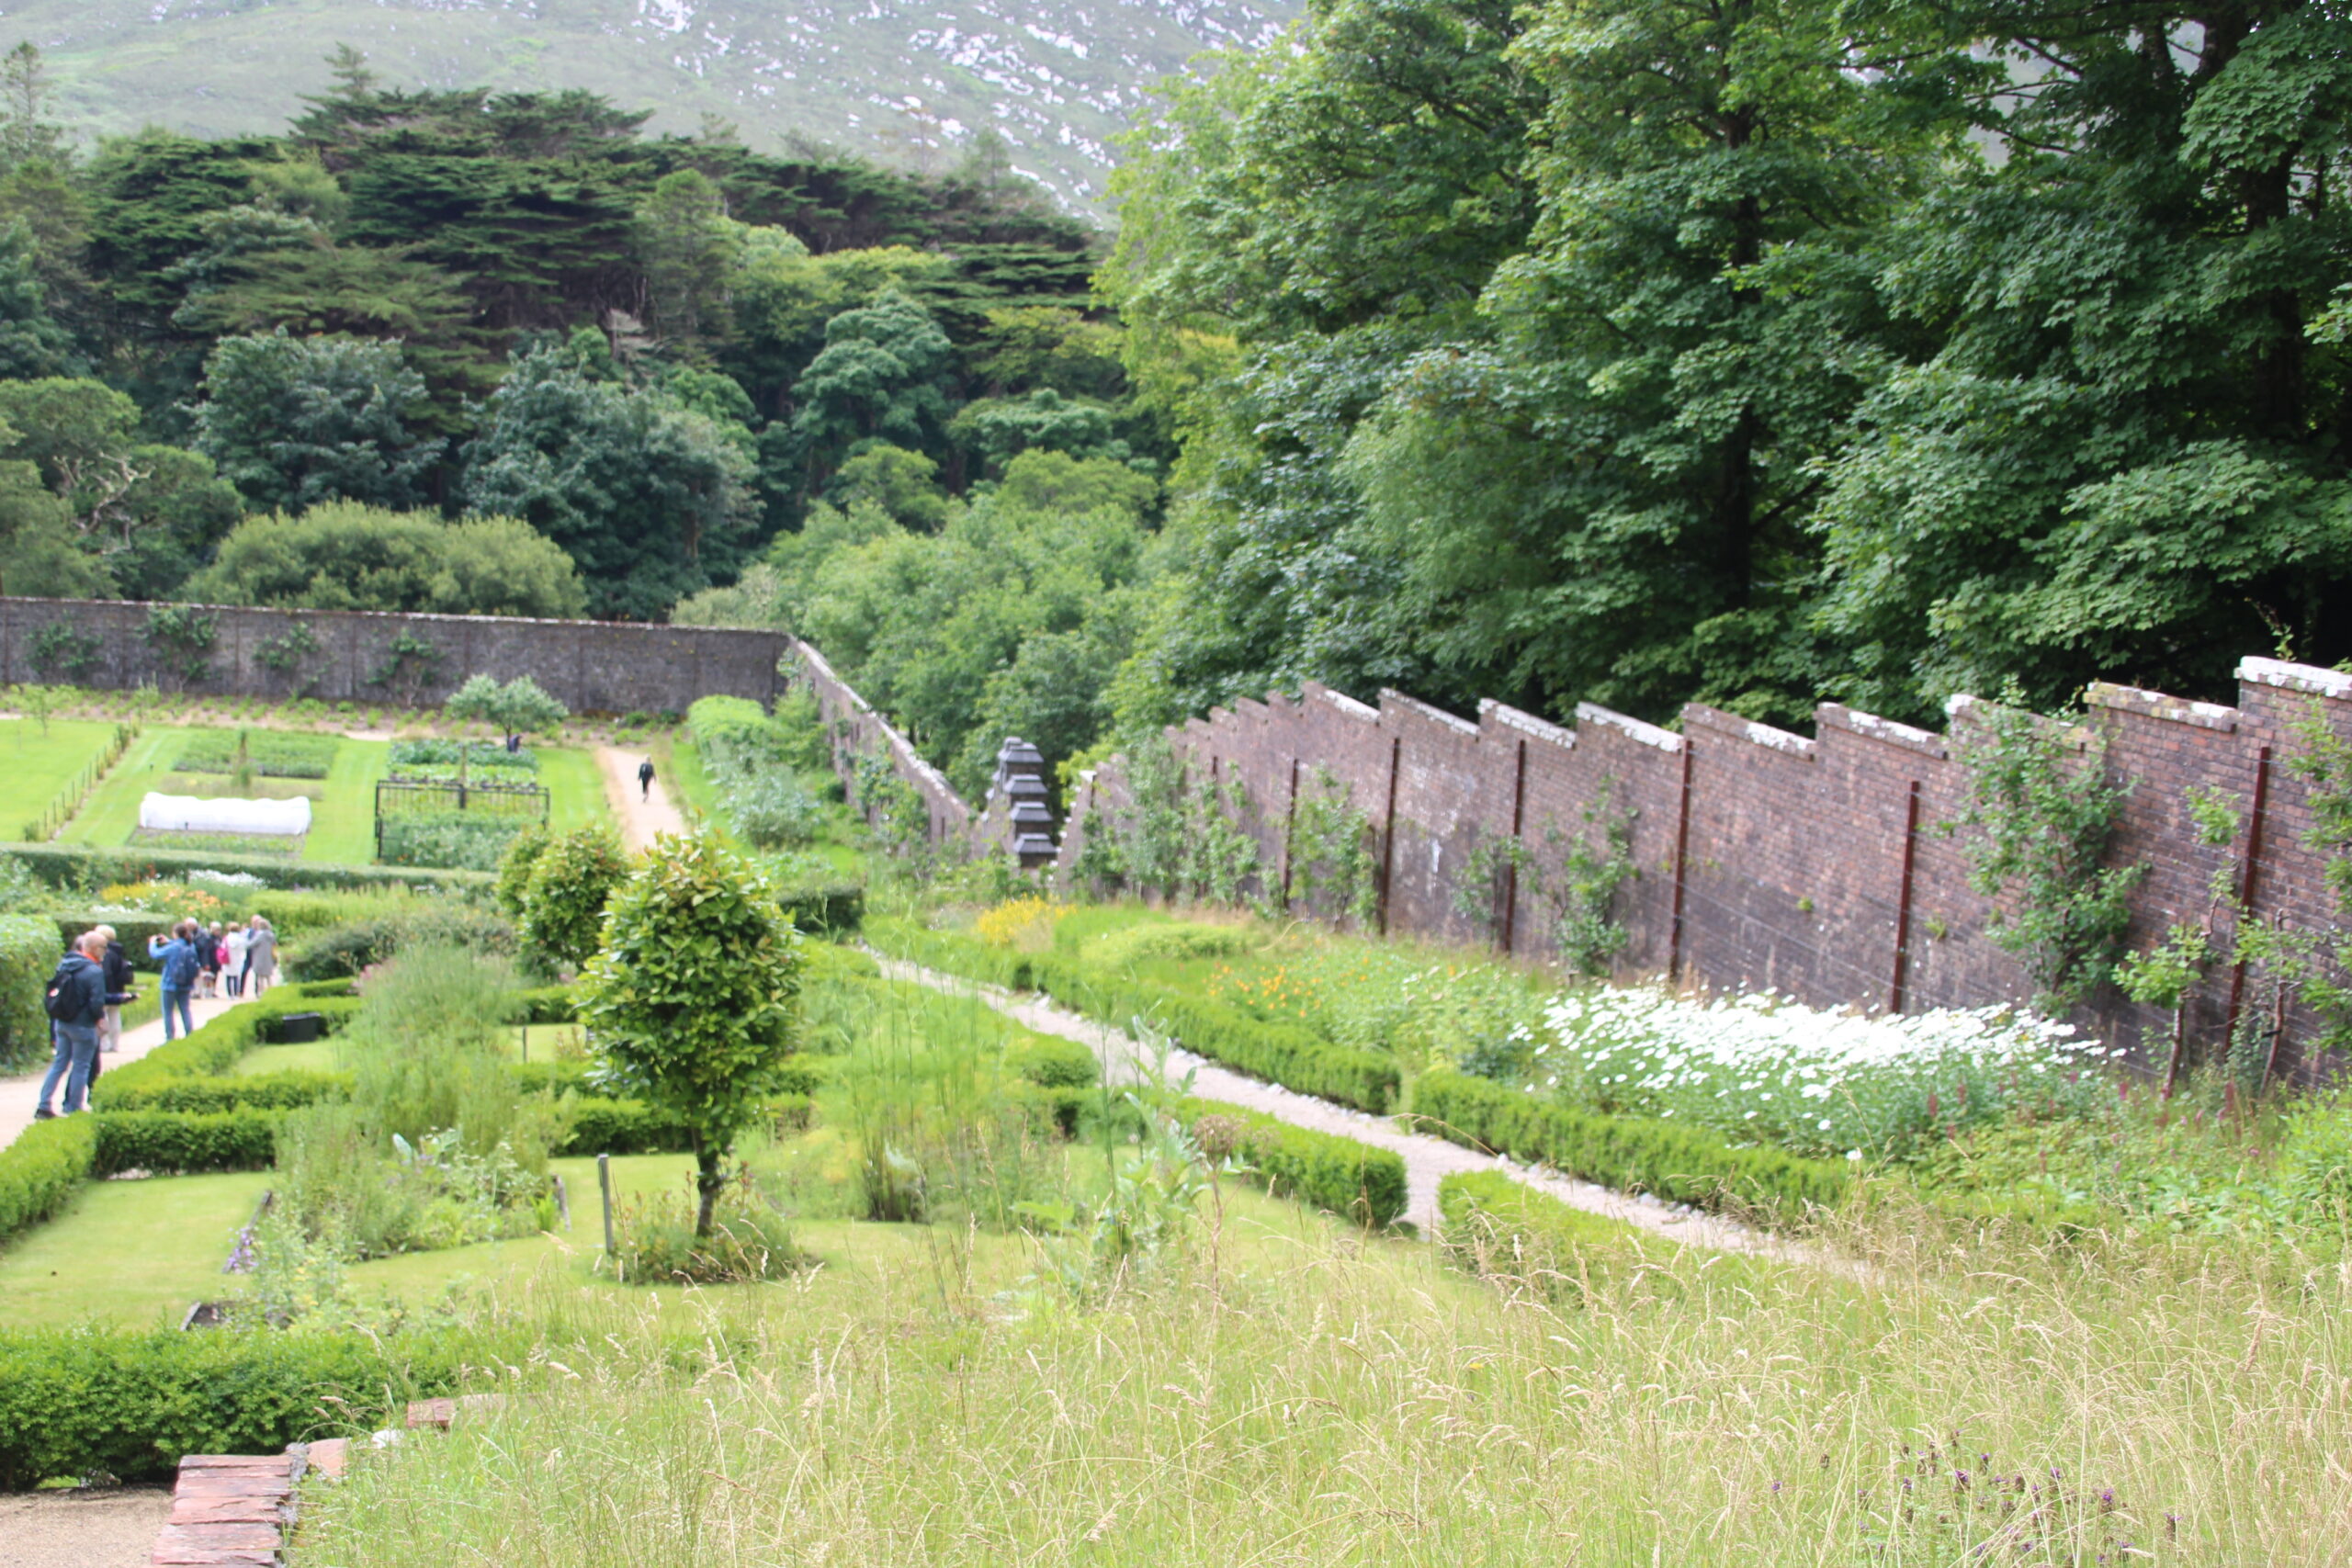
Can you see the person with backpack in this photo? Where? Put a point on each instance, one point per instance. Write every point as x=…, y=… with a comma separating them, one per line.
x=180, y=967
x=120, y=979
x=77, y=1004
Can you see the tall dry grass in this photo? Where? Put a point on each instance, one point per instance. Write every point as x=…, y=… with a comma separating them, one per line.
x=1320, y=1400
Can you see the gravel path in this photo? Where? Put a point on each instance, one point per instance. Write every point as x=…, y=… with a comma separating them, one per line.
x=19, y=1095
x=1427, y=1159
x=109, y=1528
x=640, y=819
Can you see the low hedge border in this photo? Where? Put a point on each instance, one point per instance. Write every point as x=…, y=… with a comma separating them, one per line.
x=43, y=1169
x=1350, y=1179
x=79, y=1403
x=1632, y=1153
x=1295, y=1058
x=1493, y=1225
x=94, y=866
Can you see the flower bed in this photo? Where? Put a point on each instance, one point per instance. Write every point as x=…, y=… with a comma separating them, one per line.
x=1761, y=1069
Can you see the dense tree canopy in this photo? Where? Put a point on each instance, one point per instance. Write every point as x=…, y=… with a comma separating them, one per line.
x=347, y=555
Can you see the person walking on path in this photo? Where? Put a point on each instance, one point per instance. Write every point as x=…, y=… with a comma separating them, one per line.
x=77, y=1004
x=261, y=954
x=119, y=981
x=180, y=968
x=233, y=966
x=645, y=779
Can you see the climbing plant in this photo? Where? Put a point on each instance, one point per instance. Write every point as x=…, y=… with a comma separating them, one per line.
x=283, y=655
x=1328, y=851
x=1581, y=895
x=1219, y=856
x=62, y=653
x=2037, y=825
x=409, y=664
x=181, y=637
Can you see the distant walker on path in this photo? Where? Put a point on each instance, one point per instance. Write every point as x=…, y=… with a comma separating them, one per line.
x=645, y=779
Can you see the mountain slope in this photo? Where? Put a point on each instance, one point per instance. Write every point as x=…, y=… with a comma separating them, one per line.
x=906, y=82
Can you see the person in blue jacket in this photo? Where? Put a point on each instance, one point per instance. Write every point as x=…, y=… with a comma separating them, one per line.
x=181, y=965
x=77, y=1003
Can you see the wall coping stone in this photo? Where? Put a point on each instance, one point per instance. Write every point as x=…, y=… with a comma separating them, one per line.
x=1837, y=715
x=1747, y=729
x=2156, y=704
x=1341, y=700
x=2309, y=678
x=1539, y=729
x=1647, y=734
x=1426, y=710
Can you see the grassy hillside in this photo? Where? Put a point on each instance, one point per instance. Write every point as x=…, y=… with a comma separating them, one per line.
x=904, y=84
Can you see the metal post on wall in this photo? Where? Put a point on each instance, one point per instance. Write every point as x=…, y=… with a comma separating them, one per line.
x=2254, y=825
x=1388, y=830
x=1681, y=866
x=1903, y=901
x=1289, y=828
x=1510, y=871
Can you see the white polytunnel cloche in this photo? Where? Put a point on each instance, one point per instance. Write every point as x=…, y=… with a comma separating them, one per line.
x=191, y=814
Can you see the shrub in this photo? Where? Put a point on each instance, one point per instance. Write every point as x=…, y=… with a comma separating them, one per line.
x=1054, y=1063
x=564, y=897
x=41, y=1170
x=1491, y=1224
x=347, y=952
x=771, y=808
x=523, y=851
x=1685, y=1164
x=736, y=724
x=437, y=753
x=165, y=1143
x=29, y=949
x=1356, y=1181
x=833, y=909
x=79, y=1403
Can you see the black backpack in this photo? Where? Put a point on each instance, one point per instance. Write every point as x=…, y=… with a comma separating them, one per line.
x=64, y=1005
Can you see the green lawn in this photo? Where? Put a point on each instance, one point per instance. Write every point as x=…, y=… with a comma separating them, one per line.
x=40, y=764
x=344, y=831
x=135, y=1254
x=575, y=789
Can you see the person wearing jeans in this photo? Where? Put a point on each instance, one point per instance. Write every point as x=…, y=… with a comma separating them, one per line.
x=80, y=987
x=180, y=965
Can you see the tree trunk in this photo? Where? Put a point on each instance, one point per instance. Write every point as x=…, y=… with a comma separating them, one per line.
x=709, y=1182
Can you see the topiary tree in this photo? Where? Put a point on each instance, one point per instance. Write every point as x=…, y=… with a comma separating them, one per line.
x=476, y=702
x=693, y=1003
x=514, y=869
x=564, y=895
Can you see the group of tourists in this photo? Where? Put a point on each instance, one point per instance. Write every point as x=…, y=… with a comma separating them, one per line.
x=94, y=979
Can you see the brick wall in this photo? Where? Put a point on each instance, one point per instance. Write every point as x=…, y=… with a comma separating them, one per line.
x=1768, y=859
x=858, y=731
x=592, y=666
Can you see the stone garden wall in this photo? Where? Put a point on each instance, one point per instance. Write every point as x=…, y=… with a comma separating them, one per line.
x=592, y=666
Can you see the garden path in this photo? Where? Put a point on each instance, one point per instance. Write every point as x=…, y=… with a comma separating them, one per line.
x=106, y=1527
x=641, y=820
x=1427, y=1159
x=19, y=1095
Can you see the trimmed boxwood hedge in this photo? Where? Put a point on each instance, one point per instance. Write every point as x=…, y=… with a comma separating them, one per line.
x=1351, y=1178
x=1489, y=1223
x=29, y=949
x=80, y=1402
x=1635, y=1154
x=43, y=1169
x=1288, y=1054
x=96, y=865
x=175, y=1142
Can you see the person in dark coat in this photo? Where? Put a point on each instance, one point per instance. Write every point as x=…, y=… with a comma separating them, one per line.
x=119, y=983
x=645, y=779
x=77, y=1006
